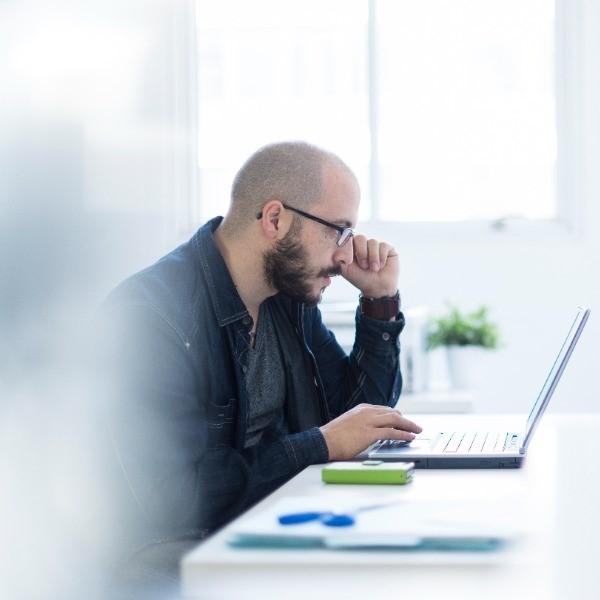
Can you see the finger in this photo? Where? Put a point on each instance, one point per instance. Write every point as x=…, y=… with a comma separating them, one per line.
x=409, y=425
x=383, y=409
x=373, y=249
x=393, y=419
x=383, y=253
x=360, y=251
x=386, y=251
x=389, y=433
x=373, y=409
x=379, y=409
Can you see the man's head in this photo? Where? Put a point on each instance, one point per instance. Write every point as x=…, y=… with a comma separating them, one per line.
x=299, y=253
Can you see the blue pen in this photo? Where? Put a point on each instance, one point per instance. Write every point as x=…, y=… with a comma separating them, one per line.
x=327, y=518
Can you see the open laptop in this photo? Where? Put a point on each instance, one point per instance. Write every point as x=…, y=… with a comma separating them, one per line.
x=463, y=449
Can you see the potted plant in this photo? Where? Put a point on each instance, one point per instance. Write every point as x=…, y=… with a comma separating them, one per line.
x=464, y=335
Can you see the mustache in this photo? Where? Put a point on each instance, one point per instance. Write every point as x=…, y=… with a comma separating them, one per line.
x=330, y=272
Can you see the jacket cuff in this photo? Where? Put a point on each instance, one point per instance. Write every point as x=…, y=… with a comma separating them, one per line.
x=378, y=337
x=307, y=448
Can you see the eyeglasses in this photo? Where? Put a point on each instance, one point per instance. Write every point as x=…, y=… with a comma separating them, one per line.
x=345, y=233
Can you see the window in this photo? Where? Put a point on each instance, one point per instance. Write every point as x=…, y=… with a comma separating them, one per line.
x=446, y=110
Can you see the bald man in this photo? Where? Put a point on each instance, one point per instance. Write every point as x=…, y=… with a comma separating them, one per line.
x=230, y=382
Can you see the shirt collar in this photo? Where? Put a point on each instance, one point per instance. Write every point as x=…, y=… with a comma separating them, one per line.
x=226, y=301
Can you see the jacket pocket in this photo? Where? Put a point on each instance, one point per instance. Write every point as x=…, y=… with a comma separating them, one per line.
x=220, y=417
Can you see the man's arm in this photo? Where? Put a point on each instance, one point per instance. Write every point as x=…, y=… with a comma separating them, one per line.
x=362, y=388
x=371, y=374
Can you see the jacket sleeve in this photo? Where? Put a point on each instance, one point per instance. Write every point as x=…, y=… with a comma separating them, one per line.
x=173, y=473
x=370, y=374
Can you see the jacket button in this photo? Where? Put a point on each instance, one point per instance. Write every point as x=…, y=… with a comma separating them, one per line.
x=244, y=368
x=385, y=336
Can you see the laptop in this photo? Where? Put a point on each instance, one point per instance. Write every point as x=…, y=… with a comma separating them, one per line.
x=463, y=449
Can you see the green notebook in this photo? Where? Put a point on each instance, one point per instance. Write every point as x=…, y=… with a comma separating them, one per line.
x=373, y=472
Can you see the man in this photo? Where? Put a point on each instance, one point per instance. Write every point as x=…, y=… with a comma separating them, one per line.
x=230, y=383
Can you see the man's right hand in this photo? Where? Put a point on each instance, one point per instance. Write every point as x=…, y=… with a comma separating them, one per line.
x=358, y=428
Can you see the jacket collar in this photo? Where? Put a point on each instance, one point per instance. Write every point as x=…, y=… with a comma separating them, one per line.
x=226, y=301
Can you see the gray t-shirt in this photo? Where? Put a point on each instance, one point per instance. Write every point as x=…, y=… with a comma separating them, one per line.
x=264, y=379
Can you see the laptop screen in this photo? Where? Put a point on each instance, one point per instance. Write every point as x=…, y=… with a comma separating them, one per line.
x=555, y=373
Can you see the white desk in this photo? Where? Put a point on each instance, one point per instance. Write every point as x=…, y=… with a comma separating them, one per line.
x=557, y=560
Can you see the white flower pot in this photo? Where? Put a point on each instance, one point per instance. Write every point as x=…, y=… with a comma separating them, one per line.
x=468, y=367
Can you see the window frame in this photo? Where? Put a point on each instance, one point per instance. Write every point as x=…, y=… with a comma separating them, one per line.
x=568, y=226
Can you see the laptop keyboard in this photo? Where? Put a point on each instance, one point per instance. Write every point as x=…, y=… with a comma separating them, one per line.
x=458, y=442
x=476, y=442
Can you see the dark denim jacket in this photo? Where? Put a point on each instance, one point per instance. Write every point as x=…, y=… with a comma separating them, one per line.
x=179, y=421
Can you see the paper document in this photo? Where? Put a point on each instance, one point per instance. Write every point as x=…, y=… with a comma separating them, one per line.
x=403, y=524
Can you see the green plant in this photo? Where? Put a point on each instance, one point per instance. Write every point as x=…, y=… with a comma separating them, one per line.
x=463, y=329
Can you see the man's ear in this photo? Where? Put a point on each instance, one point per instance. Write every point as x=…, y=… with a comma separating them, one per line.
x=273, y=220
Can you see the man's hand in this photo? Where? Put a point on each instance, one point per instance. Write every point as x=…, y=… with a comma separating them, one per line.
x=358, y=428
x=375, y=268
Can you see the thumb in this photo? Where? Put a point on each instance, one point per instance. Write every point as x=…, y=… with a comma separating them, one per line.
x=347, y=270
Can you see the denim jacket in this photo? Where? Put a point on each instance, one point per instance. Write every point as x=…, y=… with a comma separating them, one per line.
x=179, y=419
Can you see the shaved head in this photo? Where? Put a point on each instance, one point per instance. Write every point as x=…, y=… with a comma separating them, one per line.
x=291, y=172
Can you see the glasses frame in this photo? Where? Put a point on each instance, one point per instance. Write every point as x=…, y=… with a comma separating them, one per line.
x=346, y=233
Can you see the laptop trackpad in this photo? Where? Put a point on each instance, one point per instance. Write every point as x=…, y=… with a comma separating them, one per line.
x=398, y=449
x=420, y=443
x=416, y=444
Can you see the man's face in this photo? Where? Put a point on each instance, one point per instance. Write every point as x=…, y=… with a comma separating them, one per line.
x=302, y=263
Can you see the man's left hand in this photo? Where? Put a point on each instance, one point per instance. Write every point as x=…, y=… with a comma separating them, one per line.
x=375, y=268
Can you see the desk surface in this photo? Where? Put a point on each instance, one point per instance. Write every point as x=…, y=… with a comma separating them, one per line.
x=550, y=559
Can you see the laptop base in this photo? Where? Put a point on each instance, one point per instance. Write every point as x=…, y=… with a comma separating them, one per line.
x=447, y=462
x=463, y=463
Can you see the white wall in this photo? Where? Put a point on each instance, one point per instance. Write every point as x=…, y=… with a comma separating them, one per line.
x=532, y=287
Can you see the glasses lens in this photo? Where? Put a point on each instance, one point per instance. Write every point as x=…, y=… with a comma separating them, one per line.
x=345, y=236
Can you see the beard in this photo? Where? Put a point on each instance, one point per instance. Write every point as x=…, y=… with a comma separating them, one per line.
x=286, y=269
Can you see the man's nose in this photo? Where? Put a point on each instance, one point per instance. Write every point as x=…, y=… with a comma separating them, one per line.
x=345, y=253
